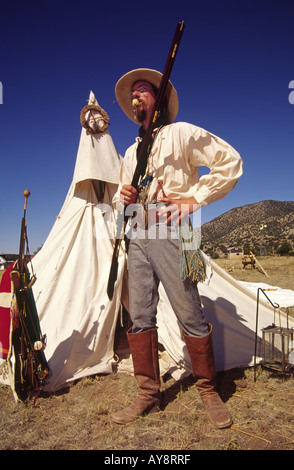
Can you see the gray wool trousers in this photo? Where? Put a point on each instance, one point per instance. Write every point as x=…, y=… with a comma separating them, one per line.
x=154, y=260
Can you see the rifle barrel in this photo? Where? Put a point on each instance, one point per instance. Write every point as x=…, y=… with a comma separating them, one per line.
x=26, y=194
x=143, y=154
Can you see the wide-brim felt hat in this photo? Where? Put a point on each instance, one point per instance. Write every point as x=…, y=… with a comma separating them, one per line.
x=124, y=85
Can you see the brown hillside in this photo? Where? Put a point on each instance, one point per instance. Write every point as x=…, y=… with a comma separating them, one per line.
x=246, y=224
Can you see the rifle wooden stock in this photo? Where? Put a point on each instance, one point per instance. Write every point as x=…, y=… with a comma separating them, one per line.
x=143, y=154
x=113, y=269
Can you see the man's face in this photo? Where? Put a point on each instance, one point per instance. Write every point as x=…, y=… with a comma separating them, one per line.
x=144, y=93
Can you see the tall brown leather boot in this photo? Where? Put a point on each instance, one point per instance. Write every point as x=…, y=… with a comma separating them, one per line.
x=202, y=359
x=144, y=349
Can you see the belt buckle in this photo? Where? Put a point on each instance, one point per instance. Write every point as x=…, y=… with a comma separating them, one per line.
x=152, y=213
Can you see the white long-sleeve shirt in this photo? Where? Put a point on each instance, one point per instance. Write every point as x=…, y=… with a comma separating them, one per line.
x=179, y=149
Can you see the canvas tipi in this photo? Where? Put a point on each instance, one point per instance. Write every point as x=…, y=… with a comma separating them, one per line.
x=72, y=267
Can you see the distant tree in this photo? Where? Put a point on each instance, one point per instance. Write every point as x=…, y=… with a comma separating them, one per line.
x=284, y=249
x=247, y=249
x=223, y=248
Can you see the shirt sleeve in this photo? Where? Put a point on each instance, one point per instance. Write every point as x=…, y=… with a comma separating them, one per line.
x=223, y=161
x=125, y=174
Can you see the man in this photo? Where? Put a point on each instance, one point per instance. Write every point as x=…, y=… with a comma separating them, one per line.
x=171, y=181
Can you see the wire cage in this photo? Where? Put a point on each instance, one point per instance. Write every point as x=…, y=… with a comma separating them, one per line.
x=277, y=343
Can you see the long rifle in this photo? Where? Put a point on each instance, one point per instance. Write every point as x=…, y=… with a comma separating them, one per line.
x=143, y=154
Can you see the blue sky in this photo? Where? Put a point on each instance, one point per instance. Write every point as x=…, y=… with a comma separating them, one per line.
x=232, y=74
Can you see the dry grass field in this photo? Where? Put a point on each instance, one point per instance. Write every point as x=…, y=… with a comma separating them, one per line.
x=280, y=270
x=78, y=418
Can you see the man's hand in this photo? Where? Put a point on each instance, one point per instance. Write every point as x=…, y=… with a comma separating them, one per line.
x=128, y=195
x=178, y=209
